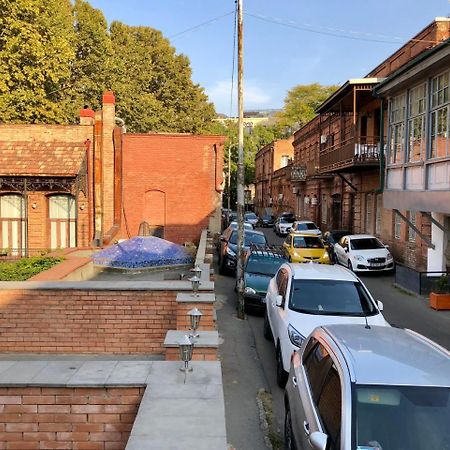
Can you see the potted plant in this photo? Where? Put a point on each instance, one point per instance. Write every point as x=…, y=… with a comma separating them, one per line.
x=440, y=295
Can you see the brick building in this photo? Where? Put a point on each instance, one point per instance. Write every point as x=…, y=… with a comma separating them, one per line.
x=78, y=185
x=269, y=159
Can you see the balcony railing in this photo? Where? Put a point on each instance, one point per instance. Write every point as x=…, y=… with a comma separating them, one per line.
x=352, y=154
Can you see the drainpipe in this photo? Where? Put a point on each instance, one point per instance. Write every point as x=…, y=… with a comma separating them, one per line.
x=380, y=188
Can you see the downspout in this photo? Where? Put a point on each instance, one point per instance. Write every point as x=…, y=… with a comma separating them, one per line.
x=90, y=190
x=380, y=188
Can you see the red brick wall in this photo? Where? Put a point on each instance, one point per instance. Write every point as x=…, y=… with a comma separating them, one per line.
x=183, y=168
x=46, y=133
x=67, y=418
x=121, y=322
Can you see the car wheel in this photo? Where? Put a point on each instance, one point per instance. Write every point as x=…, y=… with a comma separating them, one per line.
x=282, y=375
x=289, y=443
x=267, y=330
x=222, y=268
x=349, y=265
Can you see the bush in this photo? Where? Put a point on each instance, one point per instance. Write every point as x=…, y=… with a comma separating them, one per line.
x=25, y=268
x=442, y=286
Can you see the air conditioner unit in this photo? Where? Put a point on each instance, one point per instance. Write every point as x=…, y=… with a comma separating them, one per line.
x=323, y=139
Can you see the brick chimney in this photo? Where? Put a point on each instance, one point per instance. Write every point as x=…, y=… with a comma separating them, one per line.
x=108, y=124
x=87, y=116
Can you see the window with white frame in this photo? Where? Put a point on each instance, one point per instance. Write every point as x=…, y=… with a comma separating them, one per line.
x=379, y=201
x=411, y=232
x=397, y=226
x=439, y=116
x=397, y=129
x=369, y=212
x=416, y=123
x=284, y=160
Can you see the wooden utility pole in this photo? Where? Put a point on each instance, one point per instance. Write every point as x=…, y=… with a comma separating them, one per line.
x=240, y=167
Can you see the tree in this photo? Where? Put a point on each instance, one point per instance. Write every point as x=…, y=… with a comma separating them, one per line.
x=153, y=84
x=301, y=102
x=36, y=54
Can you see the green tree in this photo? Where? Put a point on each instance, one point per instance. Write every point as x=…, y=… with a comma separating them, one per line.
x=300, y=103
x=36, y=54
x=153, y=84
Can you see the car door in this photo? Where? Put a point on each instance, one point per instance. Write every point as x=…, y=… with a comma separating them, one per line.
x=287, y=245
x=320, y=391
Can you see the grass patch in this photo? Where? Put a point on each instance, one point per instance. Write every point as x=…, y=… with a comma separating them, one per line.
x=274, y=437
x=25, y=268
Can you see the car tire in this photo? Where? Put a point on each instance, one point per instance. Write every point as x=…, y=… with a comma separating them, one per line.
x=349, y=265
x=267, y=331
x=222, y=268
x=282, y=375
x=289, y=443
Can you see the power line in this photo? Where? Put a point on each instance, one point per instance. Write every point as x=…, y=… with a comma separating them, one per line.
x=336, y=32
x=200, y=25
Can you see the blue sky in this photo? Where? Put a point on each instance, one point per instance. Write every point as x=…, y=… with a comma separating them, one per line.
x=278, y=57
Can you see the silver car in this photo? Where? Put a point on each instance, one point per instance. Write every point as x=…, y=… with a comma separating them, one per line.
x=368, y=388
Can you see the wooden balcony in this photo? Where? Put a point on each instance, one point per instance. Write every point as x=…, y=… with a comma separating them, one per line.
x=354, y=154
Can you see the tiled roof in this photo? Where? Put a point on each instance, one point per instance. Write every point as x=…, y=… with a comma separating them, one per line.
x=41, y=158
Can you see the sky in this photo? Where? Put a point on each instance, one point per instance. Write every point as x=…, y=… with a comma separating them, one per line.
x=286, y=42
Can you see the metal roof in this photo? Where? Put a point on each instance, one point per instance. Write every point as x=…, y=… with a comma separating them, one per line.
x=391, y=356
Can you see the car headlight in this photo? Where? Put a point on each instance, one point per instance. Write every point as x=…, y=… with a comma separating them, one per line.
x=295, y=337
x=326, y=255
x=359, y=258
x=389, y=256
x=249, y=290
x=230, y=252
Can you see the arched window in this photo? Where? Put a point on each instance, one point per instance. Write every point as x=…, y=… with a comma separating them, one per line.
x=12, y=224
x=62, y=219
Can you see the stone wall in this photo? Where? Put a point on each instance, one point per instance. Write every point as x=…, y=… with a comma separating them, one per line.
x=67, y=418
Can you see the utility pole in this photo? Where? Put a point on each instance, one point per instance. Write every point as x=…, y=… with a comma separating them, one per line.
x=240, y=167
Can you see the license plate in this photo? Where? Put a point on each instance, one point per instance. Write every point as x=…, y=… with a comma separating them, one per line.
x=377, y=264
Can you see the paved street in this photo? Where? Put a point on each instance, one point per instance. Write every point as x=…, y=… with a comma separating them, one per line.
x=248, y=360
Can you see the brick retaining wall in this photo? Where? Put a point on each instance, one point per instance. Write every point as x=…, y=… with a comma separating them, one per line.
x=67, y=418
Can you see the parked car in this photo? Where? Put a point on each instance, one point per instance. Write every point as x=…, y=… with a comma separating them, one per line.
x=252, y=218
x=303, y=296
x=368, y=388
x=305, y=248
x=228, y=247
x=247, y=225
x=267, y=221
x=331, y=238
x=283, y=226
x=306, y=226
x=260, y=265
x=363, y=253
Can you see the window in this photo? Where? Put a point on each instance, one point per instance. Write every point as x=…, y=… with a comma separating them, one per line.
x=284, y=160
x=369, y=212
x=397, y=226
x=397, y=129
x=282, y=281
x=317, y=364
x=62, y=217
x=324, y=209
x=411, y=232
x=439, y=116
x=416, y=123
x=379, y=206
x=12, y=224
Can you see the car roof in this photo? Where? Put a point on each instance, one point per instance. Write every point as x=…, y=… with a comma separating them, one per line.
x=391, y=356
x=362, y=236
x=304, y=221
x=304, y=233
x=314, y=271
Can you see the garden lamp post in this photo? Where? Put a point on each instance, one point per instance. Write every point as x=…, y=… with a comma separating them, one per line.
x=195, y=280
x=194, y=316
x=186, y=347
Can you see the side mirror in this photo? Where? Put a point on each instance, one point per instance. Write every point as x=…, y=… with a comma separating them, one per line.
x=279, y=300
x=380, y=305
x=318, y=440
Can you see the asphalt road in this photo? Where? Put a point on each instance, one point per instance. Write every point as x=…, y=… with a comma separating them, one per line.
x=249, y=360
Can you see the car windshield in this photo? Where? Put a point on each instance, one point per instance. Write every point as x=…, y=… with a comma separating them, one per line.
x=365, y=244
x=383, y=413
x=263, y=264
x=307, y=242
x=250, y=216
x=331, y=297
x=306, y=226
x=286, y=220
x=249, y=238
x=247, y=226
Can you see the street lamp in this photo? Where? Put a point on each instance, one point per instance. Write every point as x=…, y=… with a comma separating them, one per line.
x=186, y=348
x=194, y=316
x=195, y=280
x=197, y=271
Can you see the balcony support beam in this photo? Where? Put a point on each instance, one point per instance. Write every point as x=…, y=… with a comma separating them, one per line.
x=347, y=181
x=416, y=230
x=435, y=222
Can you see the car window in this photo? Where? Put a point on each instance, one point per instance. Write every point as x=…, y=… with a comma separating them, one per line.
x=329, y=407
x=316, y=365
x=282, y=279
x=307, y=242
x=366, y=244
x=332, y=298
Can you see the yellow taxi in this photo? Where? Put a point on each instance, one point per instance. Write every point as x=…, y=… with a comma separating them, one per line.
x=303, y=247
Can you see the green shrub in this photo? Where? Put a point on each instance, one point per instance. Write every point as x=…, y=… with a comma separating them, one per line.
x=441, y=286
x=25, y=268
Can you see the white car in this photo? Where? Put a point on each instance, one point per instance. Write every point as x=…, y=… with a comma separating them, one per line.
x=301, y=297
x=283, y=226
x=252, y=218
x=363, y=253
x=306, y=226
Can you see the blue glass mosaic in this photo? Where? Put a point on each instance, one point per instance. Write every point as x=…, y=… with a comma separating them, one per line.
x=142, y=252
